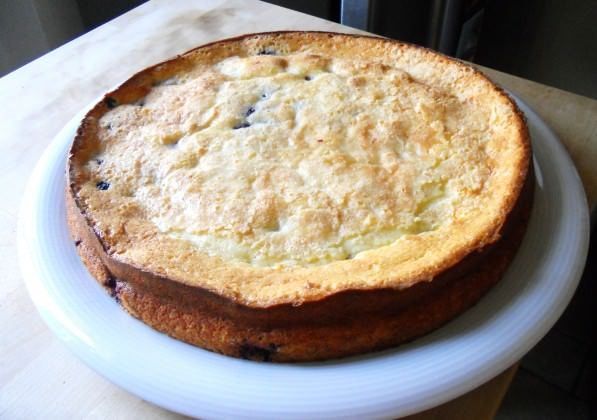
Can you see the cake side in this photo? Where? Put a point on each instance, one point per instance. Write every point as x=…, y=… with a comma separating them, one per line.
x=247, y=334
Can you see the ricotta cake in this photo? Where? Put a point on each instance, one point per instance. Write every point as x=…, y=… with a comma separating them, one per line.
x=299, y=196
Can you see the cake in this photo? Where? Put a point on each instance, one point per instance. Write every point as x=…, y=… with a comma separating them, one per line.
x=300, y=196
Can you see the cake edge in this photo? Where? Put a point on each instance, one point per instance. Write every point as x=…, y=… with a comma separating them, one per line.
x=234, y=333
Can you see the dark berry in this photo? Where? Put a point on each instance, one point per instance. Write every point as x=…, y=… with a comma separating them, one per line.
x=243, y=124
x=99, y=161
x=113, y=288
x=102, y=185
x=262, y=354
x=111, y=283
x=111, y=102
x=307, y=78
x=77, y=242
x=249, y=111
x=267, y=51
x=263, y=96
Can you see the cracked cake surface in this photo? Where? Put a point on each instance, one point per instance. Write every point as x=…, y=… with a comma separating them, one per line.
x=284, y=168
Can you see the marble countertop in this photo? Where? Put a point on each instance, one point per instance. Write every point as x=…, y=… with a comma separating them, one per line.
x=38, y=376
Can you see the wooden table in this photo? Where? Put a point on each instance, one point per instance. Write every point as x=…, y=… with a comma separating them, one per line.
x=38, y=376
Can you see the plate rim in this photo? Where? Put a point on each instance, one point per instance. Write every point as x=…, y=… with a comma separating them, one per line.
x=29, y=275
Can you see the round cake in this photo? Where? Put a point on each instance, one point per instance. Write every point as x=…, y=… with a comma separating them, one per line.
x=299, y=196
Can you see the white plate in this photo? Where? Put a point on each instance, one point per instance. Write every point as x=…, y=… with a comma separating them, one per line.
x=462, y=355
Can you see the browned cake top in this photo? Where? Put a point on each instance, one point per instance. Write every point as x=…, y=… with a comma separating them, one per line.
x=285, y=167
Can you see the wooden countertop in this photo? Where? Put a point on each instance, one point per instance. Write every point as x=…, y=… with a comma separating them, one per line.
x=38, y=375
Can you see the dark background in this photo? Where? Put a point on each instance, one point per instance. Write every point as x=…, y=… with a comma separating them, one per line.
x=548, y=41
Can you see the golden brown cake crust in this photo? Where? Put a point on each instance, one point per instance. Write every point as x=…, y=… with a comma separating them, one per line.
x=130, y=239
x=386, y=245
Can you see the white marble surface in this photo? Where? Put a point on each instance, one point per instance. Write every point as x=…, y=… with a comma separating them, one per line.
x=38, y=377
